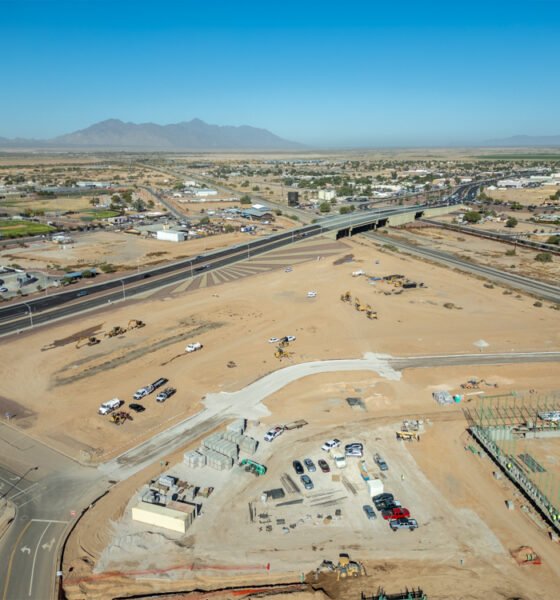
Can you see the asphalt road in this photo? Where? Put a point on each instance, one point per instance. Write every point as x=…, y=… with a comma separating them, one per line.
x=536, y=288
x=49, y=498
x=37, y=311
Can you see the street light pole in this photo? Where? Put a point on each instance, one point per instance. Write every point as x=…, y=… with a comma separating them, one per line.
x=30, y=313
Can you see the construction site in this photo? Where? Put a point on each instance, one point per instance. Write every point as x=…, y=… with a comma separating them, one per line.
x=206, y=494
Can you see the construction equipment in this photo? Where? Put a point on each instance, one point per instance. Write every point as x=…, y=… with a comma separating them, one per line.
x=346, y=297
x=118, y=418
x=348, y=568
x=90, y=341
x=115, y=331
x=472, y=384
x=253, y=467
x=359, y=306
x=525, y=555
x=135, y=324
x=408, y=436
x=370, y=313
x=281, y=353
x=413, y=594
x=392, y=278
x=284, y=342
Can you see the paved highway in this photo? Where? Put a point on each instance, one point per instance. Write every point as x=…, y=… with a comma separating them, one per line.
x=519, y=282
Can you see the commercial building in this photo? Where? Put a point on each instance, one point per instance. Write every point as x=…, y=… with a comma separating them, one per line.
x=327, y=195
x=256, y=214
x=169, y=235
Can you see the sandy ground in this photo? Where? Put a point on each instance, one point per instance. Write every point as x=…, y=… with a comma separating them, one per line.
x=234, y=322
x=526, y=197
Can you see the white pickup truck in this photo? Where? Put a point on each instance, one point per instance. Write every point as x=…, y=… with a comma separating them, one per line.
x=110, y=406
x=193, y=347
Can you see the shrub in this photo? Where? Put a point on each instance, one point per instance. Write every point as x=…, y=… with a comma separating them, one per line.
x=511, y=252
x=544, y=257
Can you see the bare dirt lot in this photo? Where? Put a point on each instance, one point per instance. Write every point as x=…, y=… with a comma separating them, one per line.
x=461, y=549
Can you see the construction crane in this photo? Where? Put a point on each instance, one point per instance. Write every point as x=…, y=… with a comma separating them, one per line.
x=90, y=341
x=135, y=324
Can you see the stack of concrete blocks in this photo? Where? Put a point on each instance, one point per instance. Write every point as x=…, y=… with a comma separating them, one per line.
x=194, y=459
x=246, y=444
x=216, y=460
x=238, y=426
x=220, y=453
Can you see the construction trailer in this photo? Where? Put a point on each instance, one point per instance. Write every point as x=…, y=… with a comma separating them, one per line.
x=413, y=594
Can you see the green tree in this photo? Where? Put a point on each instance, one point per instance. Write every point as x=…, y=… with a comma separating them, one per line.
x=511, y=222
x=229, y=228
x=139, y=205
x=204, y=221
x=245, y=199
x=554, y=239
x=544, y=257
x=472, y=216
x=325, y=207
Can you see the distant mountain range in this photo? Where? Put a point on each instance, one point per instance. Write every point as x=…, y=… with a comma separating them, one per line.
x=114, y=134
x=525, y=141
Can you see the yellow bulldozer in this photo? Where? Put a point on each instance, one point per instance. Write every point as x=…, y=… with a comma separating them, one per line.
x=408, y=436
x=346, y=297
x=119, y=418
x=281, y=353
x=359, y=306
x=90, y=341
x=348, y=568
x=135, y=324
x=370, y=313
x=117, y=330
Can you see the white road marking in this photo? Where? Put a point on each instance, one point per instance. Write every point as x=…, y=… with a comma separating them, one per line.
x=25, y=550
x=10, y=483
x=49, y=545
x=49, y=521
x=24, y=491
x=35, y=558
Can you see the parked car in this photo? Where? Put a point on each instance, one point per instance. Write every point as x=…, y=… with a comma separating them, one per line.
x=311, y=294
x=136, y=407
x=273, y=433
x=354, y=449
x=307, y=483
x=370, y=513
x=290, y=338
x=334, y=443
x=3, y=290
x=404, y=523
x=383, y=466
x=396, y=512
x=287, y=269
x=298, y=467
x=167, y=393
x=310, y=465
x=193, y=347
x=273, y=340
x=382, y=501
x=323, y=465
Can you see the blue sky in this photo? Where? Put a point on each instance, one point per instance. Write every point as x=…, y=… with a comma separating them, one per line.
x=323, y=73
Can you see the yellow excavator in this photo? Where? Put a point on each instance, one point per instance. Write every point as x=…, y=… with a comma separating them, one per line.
x=135, y=324
x=346, y=297
x=117, y=330
x=281, y=353
x=348, y=568
x=359, y=306
x=90, y=341
x=408, y=436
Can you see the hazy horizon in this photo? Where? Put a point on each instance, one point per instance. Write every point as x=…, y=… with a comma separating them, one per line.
x=360, y=75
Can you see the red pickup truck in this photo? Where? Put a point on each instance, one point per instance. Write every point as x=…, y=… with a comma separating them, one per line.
x=397, y=512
